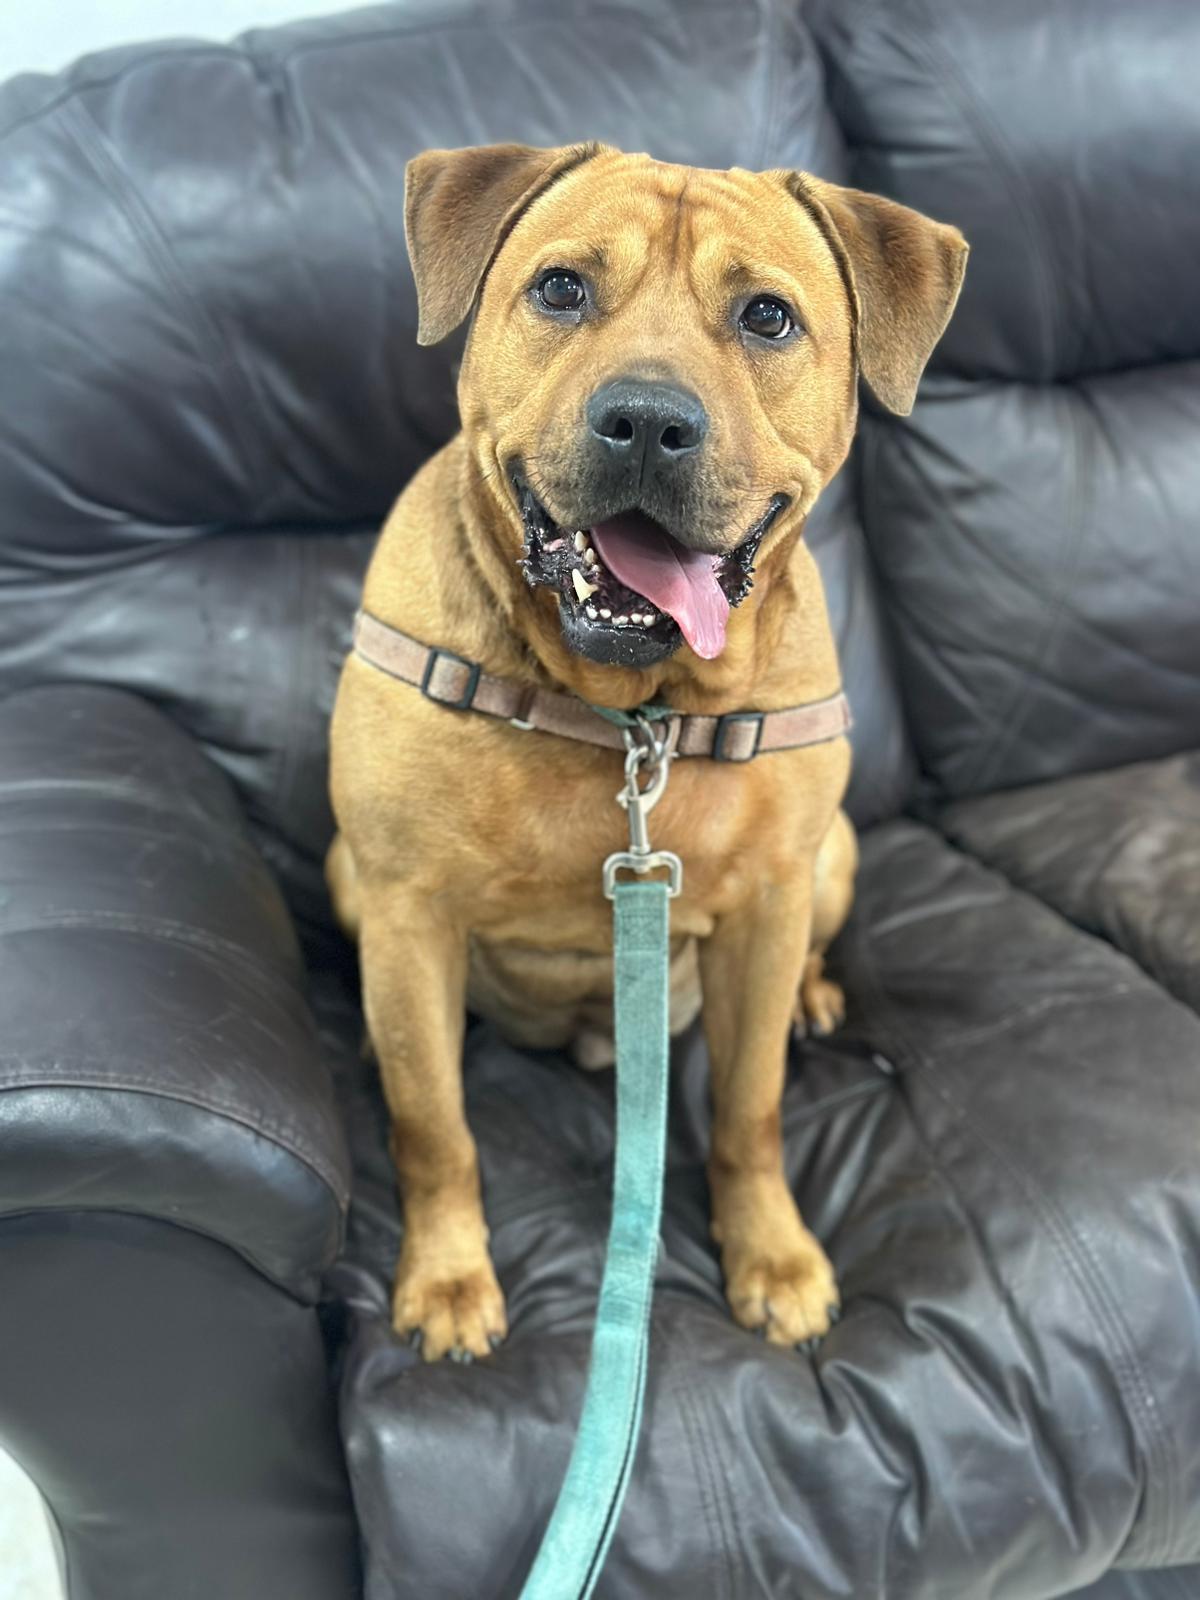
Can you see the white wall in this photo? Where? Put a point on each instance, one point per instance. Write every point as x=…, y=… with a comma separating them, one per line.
x=44, y=35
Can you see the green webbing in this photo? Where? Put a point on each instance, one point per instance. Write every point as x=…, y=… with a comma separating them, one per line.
x=629, y=719
x=589, y=1502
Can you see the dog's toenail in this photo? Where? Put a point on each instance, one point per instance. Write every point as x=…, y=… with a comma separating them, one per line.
x=495, y=1340
x=835, y=1315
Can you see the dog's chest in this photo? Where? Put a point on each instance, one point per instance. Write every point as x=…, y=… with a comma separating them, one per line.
x=535, y=875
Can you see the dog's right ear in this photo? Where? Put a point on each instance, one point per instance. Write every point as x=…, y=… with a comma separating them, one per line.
x=459, y=206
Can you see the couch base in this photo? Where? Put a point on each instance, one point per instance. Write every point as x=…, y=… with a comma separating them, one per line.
x=176, y=1412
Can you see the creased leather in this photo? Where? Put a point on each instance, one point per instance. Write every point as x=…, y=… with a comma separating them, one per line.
x=156, y=1053
x=999, y=1153
x=1033, y=522
x=1116, y=852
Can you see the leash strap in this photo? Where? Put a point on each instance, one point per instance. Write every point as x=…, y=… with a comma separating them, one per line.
x=585, y=1515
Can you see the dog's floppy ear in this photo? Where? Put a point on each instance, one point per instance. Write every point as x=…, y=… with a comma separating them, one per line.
x=458, y=207
x=902, y=272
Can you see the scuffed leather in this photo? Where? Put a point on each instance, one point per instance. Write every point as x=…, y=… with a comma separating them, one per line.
x=999, y=1154
x=1116, y=852
x=156, y=1053
x=1034, y=520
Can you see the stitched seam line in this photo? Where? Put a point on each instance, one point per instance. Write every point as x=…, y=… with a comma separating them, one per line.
x=1082, y=1266
x=1037, y=1008
x=38, y=1074
x=159, y=928
x=292, y=1285
x=710, y=1497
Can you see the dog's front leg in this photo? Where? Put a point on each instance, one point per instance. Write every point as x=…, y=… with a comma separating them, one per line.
x=414, y=964
x=777, y=1277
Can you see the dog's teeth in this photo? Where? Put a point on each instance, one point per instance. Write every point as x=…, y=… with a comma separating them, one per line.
x=648, y=619
x=581, y=541
x=592, y=613
x=606, y=613
x=635, y=616
x=589, y=556
x=620, y=621
x=583, y=589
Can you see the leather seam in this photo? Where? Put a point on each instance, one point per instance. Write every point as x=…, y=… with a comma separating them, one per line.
x=290, y=1284
x=706, y=1481
x=32, y=1073
x=1084, y=1270
x=137, y=923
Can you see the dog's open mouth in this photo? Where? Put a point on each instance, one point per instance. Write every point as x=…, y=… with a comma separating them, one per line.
x=628, y=592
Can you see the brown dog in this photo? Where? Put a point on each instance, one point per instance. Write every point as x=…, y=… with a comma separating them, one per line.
x=667, y=359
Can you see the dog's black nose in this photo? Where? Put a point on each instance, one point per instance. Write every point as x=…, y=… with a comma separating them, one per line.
x=647, y=424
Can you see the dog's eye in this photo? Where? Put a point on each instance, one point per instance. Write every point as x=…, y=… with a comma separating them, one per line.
x=560, y=290
x=767, y=318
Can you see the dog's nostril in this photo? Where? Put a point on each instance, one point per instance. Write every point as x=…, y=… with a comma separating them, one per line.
x=647, y=421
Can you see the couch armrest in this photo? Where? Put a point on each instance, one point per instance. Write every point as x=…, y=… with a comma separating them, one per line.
x=157, y=1055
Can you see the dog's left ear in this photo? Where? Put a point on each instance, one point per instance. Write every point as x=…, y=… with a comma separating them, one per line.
x=902, y=273
x=459, y=206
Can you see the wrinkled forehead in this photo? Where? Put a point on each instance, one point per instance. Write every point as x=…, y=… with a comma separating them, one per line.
x=630, y=221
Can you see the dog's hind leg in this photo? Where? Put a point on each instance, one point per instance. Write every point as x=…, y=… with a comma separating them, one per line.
x=342, y=879
x=821, y=1005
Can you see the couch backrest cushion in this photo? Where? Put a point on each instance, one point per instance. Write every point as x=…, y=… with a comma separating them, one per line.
x=1036, y=522
x=211, y=389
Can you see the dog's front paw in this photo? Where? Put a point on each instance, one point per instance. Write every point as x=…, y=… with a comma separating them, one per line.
x=456, y=1313
x=791, y=1296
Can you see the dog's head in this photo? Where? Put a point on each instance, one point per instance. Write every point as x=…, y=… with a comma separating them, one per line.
x=662, y=373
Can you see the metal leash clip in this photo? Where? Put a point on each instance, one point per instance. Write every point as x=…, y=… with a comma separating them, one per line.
x=643, y=748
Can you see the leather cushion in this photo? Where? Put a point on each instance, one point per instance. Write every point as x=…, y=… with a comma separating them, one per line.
x=999, y=1152
x=1116, y=852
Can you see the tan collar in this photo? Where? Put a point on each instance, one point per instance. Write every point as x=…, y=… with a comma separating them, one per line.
x=460, y=685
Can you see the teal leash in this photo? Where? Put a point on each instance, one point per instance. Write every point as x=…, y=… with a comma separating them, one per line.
x=584, y=1519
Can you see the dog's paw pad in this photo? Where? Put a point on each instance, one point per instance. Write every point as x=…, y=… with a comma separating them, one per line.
x=461, y=1316
x=791, y=1300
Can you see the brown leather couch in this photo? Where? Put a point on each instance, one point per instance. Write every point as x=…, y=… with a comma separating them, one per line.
x=210, y=392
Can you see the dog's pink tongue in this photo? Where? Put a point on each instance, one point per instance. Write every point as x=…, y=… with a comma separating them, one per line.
x=683, y=583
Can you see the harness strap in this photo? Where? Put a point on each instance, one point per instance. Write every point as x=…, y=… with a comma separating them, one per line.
x=585, y=1515
x=451, y=680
